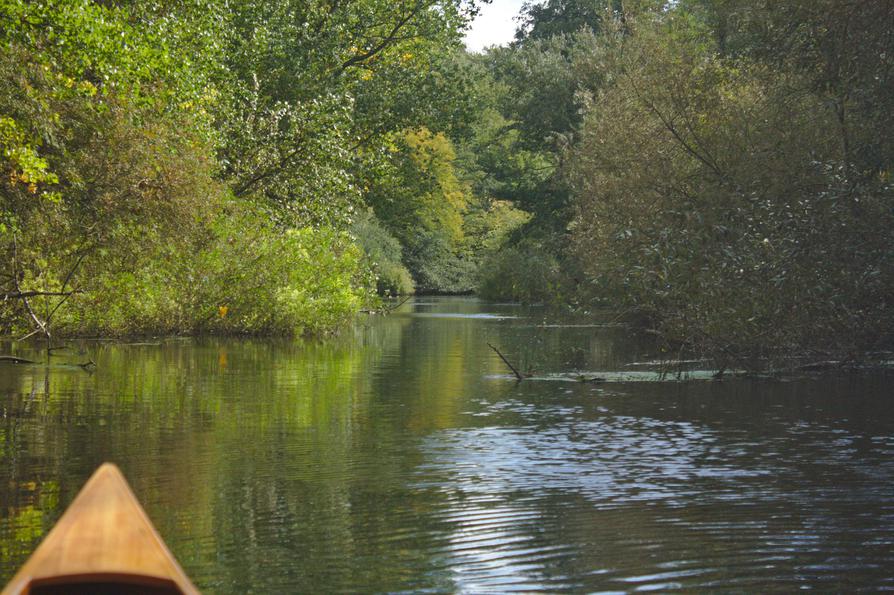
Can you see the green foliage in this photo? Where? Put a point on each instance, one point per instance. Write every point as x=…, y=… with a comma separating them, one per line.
x=97, y=122
x=243, y=277
x=711, y=162
x=418, y=197
x=422, y=86
x=294, y=159
x=546, y=19
x=537, y=87
x=191, y=166
x=384, y=254
x=314, y=82
x=720, y=199
x=25, y=165
x=718, y=167
x=437, y=266
x=314, y=279
x=142, y=50
x=489, y=225
x=527, y=271
x=518, y=149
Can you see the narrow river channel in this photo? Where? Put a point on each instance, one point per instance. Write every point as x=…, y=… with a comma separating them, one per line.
x=402, y=456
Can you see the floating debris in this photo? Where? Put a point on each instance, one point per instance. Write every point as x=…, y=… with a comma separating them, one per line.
x=460, y=315
x=668, y=363
x=601, y=377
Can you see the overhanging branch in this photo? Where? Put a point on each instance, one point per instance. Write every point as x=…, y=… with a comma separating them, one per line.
x=18, y=295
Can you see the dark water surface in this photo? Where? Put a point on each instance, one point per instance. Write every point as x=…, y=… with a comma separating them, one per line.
x=400, y=457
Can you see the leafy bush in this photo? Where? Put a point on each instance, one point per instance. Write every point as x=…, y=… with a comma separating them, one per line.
x=437, y=266
x=383, y=252
x=719, y=198
x=528, y=271
x=418, y=197
x=244, y=276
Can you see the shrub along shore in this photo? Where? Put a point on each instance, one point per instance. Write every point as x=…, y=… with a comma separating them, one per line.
x=231, y=167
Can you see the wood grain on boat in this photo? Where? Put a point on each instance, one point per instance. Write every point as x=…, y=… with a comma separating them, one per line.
x=104, y=543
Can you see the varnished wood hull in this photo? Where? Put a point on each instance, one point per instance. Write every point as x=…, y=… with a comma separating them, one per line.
x=104, y=543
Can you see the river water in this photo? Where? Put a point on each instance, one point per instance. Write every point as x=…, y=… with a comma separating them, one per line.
x=402, y=456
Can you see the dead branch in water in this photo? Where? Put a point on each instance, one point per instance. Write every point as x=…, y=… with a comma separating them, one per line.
x=87, y=366
x=518, y=374
x=15, y=360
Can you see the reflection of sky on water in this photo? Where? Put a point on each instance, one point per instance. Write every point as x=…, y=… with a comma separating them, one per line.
x=493, y=547
x=509, y=487
x=601, y=376
x=616, y=460
x=450, y=315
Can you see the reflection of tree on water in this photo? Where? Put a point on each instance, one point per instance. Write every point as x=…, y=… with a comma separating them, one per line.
x=390, y=458
x=29, y=499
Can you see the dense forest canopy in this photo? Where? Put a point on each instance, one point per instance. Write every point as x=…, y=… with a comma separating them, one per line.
x=718, y=169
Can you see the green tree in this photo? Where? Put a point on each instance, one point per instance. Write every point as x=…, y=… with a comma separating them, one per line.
x=314, y=82
x=717, y=198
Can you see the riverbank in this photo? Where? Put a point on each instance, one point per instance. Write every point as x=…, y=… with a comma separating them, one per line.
x=244, y=278
x=662, y=364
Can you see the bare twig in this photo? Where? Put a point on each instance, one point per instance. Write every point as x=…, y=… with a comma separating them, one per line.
x=66, y=295
x=19, y=295
x=398, y=305
x=15, y=277
x=518, y=374
x=29, y=335
x=42, y=326
x=387, y=309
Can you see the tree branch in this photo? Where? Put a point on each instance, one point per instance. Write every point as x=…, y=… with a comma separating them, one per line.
x=65, y=282
x=385, y=42
x=669, y=125
x=242, y=188
x=518, y=374
x=18, y=295
x=15, y=278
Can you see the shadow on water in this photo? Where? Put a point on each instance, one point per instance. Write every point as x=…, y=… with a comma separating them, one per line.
x=395, y=458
